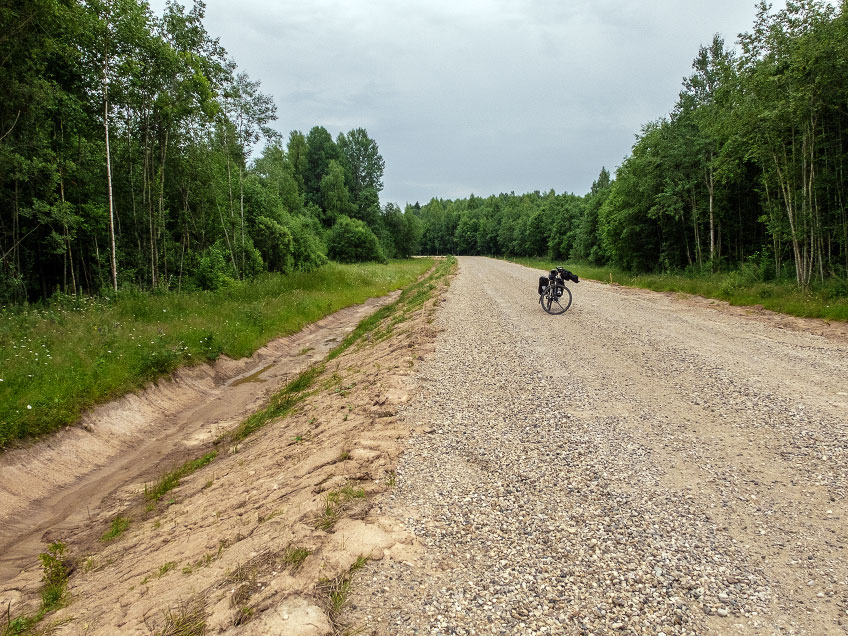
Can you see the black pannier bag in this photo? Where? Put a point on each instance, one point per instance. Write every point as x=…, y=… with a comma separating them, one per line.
x=543, y=283
x=568, y=276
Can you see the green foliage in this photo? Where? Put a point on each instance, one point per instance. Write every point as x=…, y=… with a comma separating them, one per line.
x=171, y=480
x=411, y=298
x=335, y=198
x=364, y=166
x=275, y=244
x=284, y=400
x=320, y=151
x=747, y=164
x=190, y=211
x=54, y=576
x=54, y=588
x=213, y=269
x=280, y=404
x=62, y=357
x=118, y=527
x=351, y=241
x=308, y=251
x=294, y=558
x=402, y=232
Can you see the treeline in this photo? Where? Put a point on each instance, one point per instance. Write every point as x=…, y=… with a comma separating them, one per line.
x=562, y=226
x=126, y=143
x=748, y=168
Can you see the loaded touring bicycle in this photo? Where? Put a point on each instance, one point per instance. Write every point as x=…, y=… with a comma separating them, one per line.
x=554, y=296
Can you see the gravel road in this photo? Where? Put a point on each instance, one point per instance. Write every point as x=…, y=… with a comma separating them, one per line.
x=640, y=465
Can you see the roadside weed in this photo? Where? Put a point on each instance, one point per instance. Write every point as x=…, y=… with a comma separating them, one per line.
x=53, y=592
x=118, y=527
x=171, y=480
x=391, y=479
x=336, y=593
x=186, y=619
x=294, y=558
x=334, y=503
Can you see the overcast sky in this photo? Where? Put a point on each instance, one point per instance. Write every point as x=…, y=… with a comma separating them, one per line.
x=475, y=96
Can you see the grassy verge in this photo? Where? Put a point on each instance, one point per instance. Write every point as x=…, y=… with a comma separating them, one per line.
x=829, y=301
x=59, y=359
x=188, y=618
x=279, y=405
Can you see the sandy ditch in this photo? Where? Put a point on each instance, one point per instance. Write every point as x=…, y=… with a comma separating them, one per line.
x=255, y=542
x=59, y=481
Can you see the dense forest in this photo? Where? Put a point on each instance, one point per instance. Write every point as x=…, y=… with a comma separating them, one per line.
x=127, y=146
x=133, y=152
x=748, y=169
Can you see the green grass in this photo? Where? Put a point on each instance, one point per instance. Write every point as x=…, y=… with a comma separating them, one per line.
x=118, y=527
x=61, y=358
x=828, y=301
x=337, y=593
x=294, y=558
x=53, y=592
x=284, y=400
x=188, y=619
x=280, y=404
x=171, y=480
x=336, y=502
x=165, y=568
x=410, y=300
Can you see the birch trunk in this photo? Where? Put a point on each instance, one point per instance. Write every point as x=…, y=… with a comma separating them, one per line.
x=113, y=259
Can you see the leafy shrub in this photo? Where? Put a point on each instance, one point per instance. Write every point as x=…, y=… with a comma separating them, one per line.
x=308, y=250
x=274, y=242
x=55, y=576
x=732, y=282
x=834, y=288
x=249, y=259
x=12, y=288
x=289, y=243
x=351, y=241
x=210, y=346
x=214, y=268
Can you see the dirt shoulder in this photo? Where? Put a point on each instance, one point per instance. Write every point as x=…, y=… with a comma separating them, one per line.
x=254, y=542
x=58, y=482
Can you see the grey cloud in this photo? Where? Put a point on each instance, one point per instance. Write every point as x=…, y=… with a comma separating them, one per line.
x=474, y=95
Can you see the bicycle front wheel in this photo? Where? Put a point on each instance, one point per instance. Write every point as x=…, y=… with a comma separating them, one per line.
x=556, y=299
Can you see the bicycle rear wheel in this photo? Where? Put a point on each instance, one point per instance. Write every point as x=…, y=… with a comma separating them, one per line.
x=556, y=299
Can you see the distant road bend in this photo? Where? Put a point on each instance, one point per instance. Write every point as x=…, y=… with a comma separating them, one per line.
x=642, y=464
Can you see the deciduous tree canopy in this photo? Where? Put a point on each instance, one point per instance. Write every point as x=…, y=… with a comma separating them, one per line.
x=748, y=169
x=126, y=157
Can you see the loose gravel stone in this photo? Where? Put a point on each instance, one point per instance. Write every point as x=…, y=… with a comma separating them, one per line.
x=635, y=466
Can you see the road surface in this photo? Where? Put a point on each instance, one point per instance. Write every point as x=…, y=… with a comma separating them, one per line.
x=643, y=464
